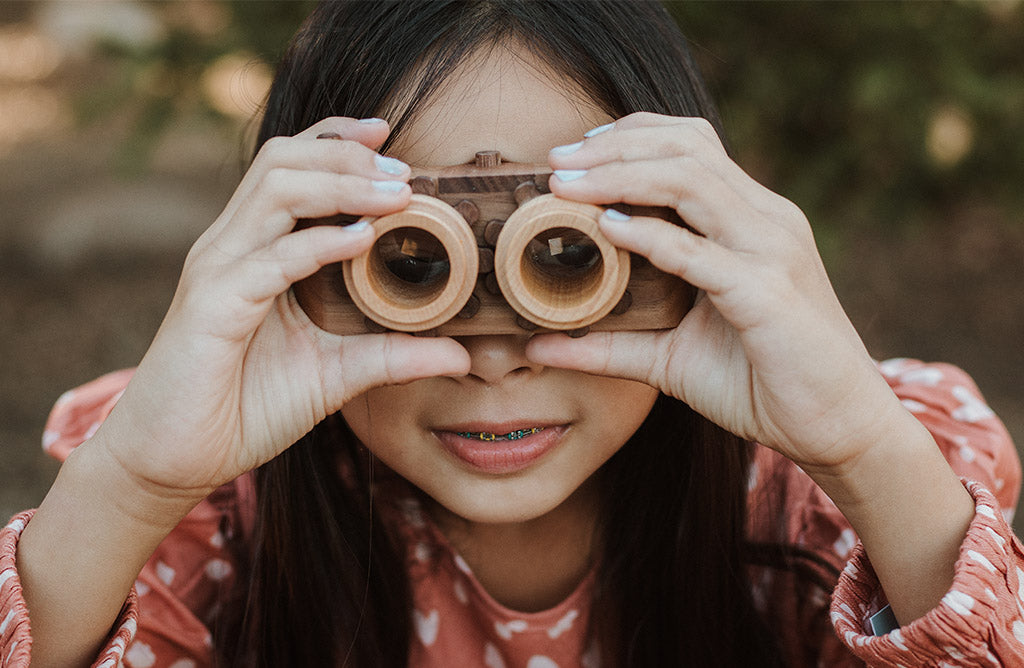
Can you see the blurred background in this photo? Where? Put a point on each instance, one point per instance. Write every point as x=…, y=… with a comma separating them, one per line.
x=125, y=125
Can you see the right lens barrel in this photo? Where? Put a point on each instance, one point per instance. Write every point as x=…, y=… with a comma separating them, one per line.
x=421, y=270
x=555, y=268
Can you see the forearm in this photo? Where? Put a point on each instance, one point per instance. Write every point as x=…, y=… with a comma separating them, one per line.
x=81, y=552
x=910, y=511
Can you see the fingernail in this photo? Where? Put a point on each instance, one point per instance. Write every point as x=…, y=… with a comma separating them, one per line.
x=599, y=129
x=357, y=226
x=616, y=216
x=570, y=174
x=371, y=120
x=567, y=149
x=389, y=186
x=387, y=165
x=328, y=135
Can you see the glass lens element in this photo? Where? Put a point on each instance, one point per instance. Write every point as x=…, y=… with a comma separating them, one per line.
x=562, y=254
x=414, y=256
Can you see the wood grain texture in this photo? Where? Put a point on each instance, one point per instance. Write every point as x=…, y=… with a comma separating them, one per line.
x=631, y=295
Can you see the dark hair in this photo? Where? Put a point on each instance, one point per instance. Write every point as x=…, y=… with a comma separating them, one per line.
x=672, y=587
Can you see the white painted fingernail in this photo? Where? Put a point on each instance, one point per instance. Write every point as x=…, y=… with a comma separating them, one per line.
x=389, y=165
x=599, y=129
x=617, y=216
x=371, y=120
x=567, y=149
x=389, y=186
x=357, y=226
x=570, y=174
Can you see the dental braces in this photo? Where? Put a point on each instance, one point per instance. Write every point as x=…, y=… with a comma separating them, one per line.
x=511, y=436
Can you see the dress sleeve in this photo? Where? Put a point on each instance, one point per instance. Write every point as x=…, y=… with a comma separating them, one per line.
x=980, y=621
x=15, y=632
x=176, y=598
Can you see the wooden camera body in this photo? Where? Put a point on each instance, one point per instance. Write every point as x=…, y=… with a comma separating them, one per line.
x=485, y=248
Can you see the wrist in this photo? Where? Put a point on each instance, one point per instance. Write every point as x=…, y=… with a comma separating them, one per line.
x=128, y=497
x=882, y=456
x=909, y=510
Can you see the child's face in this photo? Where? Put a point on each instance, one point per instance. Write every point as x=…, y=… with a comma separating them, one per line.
x=499, y=102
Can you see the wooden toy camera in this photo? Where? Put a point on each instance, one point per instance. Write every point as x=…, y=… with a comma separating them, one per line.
x=485, y=248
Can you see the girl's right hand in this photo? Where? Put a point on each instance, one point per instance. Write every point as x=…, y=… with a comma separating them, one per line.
x=237, y=372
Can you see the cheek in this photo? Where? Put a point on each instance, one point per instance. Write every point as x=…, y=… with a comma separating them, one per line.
x=619, y=408
x=379, y=416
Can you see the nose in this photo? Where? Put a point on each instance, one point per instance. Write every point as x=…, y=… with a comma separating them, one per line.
x=498, y=358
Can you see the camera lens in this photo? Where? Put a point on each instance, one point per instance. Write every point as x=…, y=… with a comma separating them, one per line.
x=410, y=265
x=561, y=259
x=555, y=268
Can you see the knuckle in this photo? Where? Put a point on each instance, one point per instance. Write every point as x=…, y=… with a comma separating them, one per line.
x=273, y=149
x=275, y=182
x=192, y=259
x=685, y=244
x=645, y=117
x=682, y=141
x=687, y=169
x=704, y=133
x=330, y=124
x=349, y=149
x=704, y=127
x=688, y=166
x=788, y=210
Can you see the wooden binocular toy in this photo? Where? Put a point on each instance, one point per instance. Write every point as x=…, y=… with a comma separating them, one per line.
x=485, y=248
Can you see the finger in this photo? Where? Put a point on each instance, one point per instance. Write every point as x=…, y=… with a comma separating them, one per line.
x=629, y=355
x=684, y=183
x=270, y=271
x=676, y=250
x=370, y=132
x=339, y=156
x=327, y=155
x=626, y=141
x=355, y=364
x=645, y=136
x=286, y=195
x=233, y=297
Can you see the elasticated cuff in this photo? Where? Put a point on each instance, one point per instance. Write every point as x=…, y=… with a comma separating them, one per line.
x=15, y=631
x=977, y=623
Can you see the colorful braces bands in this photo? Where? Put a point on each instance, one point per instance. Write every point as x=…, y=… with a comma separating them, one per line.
x=511, y=436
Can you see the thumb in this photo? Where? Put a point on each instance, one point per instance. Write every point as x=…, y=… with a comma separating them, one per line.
x=366, y=361
x=629, y=355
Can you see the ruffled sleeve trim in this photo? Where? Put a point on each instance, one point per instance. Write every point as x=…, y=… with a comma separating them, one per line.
x=980, y=620
x=15, y=630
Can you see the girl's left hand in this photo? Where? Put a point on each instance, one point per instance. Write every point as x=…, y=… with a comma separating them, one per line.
x=767, y=351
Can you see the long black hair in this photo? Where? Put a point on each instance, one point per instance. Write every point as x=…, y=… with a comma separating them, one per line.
x=326, y=582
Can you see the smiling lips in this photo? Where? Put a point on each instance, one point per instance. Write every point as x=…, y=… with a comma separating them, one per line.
x=501, y=453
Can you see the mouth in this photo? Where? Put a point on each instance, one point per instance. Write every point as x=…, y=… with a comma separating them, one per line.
x=496, y=451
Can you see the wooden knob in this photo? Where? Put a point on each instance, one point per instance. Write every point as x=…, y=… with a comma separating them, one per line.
x=421, y=270
x=487, y=159
x=554, y=266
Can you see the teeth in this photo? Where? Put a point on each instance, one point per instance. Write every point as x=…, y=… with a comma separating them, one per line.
x=511, y=436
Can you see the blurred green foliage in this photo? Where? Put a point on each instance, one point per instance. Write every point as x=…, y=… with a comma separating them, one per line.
x=864, y=113
x=158, y=81
x=847, y=107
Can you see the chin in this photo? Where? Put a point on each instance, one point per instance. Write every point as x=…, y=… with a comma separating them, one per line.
x=504, y=505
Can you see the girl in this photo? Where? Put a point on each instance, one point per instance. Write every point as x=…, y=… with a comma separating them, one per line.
x=645, y=529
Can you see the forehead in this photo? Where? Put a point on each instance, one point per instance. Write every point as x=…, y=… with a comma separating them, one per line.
x=501, y=98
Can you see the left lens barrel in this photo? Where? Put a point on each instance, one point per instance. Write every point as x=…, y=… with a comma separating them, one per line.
x=420, y=271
